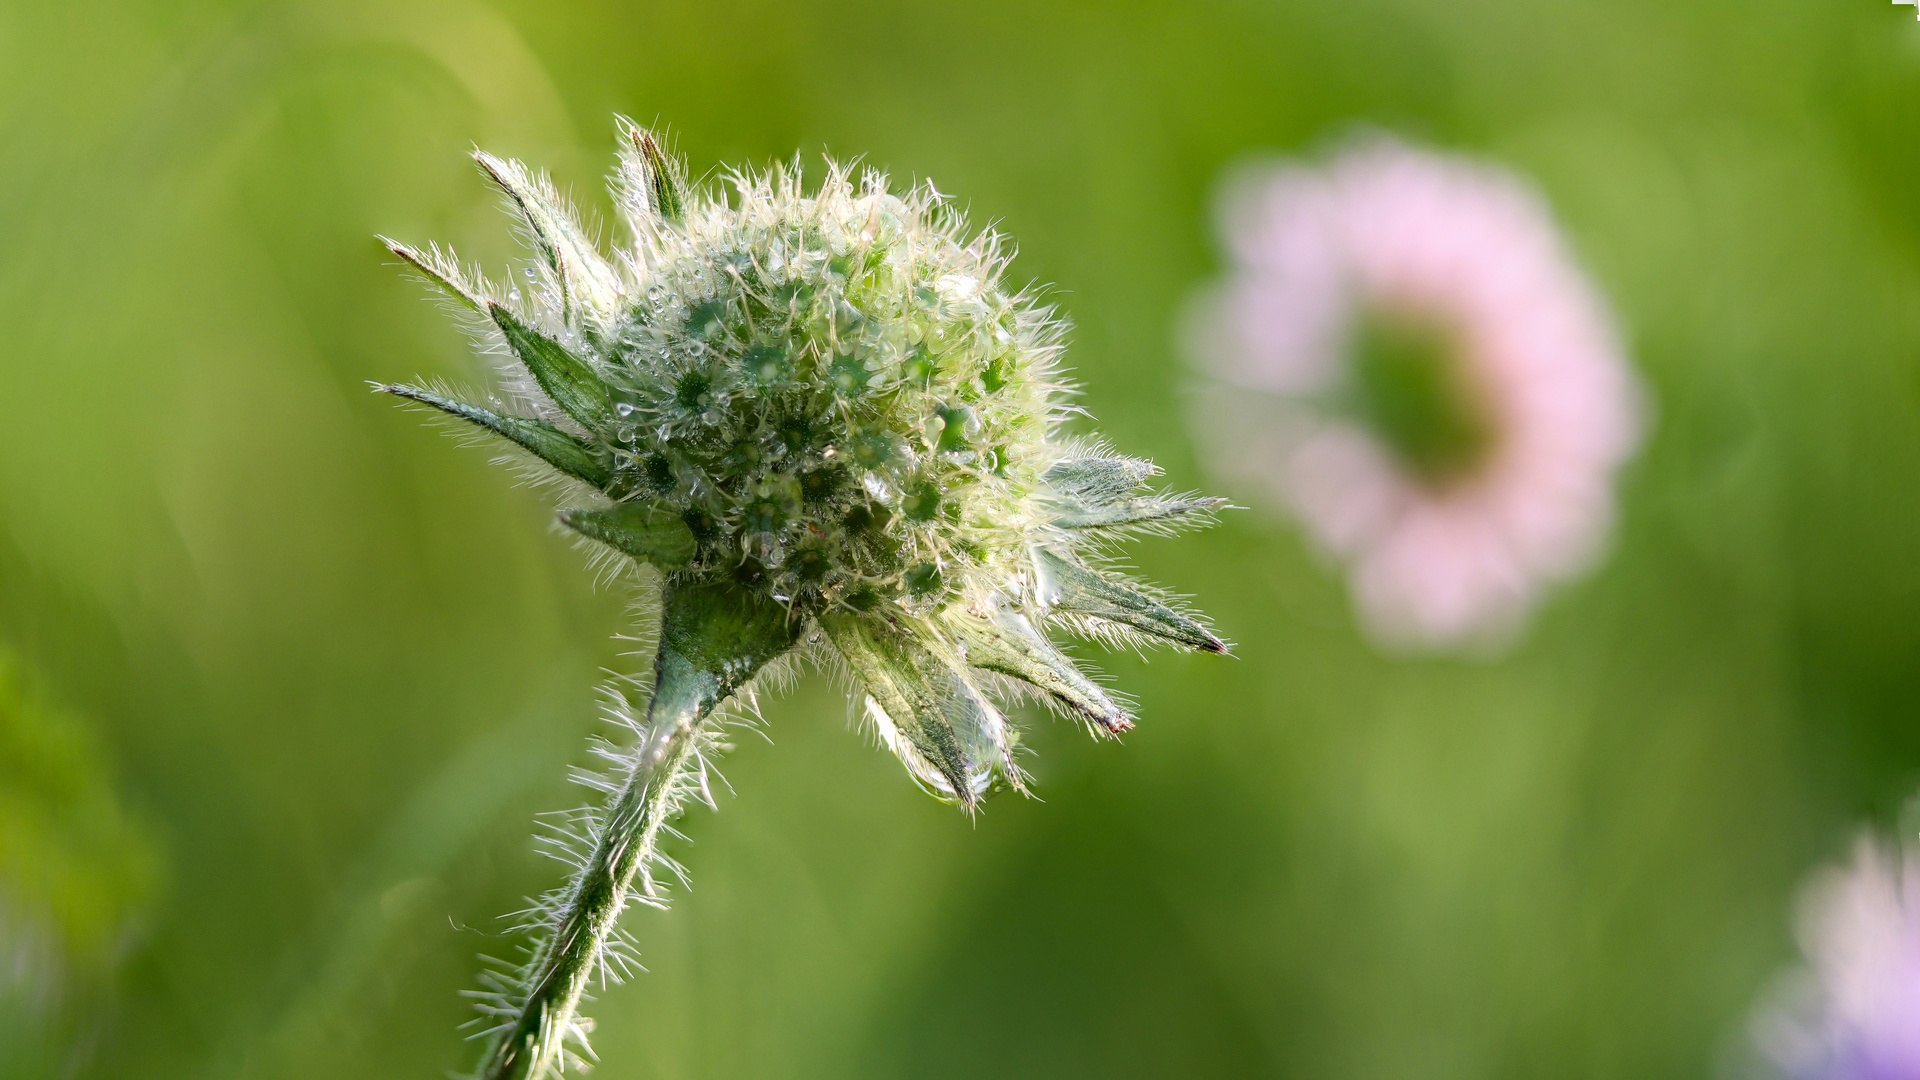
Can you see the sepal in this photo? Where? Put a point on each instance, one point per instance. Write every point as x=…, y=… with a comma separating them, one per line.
x=442, y=271
x=536, y=437
x=1146, y=510
x=650, y=179
x=583, y=273
x=1096, y=493
x=1098, y=479
x=1071, y=589
x=647, y=531
x=1007, y=643
x=714, y=636
x=926, y=709
x=565, y=377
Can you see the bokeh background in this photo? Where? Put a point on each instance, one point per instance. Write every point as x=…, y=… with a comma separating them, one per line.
x=294, y=671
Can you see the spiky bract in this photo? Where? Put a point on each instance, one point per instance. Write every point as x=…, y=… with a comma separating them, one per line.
x=829, y=405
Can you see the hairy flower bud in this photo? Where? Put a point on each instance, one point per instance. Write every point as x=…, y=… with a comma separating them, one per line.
x=821, y=409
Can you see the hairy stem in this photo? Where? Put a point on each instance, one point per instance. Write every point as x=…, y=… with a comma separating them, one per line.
x=713, y=638
x=577, y=938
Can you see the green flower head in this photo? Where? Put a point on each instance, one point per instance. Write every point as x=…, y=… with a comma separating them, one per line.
x=828, y=406
x=828, y=423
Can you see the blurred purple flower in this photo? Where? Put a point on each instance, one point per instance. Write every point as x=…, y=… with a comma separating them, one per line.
x=1853, y=1013
x=1409, y=360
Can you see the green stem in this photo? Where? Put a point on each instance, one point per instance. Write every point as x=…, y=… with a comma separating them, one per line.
x=713, y=638
x=578, y=936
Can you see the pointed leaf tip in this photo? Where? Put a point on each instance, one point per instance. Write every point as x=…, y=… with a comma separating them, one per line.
x=1074, y=514
x=1007, y=643
x=644, y=530
x=537, y=437
x=660, y=175
x=1095, y=493
x=584, y=275
x=442, y=275
x=927, y=711
x=1072, y=589
x=1099, y=479
x=566, y=378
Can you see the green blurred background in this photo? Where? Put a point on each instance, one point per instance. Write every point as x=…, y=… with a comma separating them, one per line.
x=320, y=664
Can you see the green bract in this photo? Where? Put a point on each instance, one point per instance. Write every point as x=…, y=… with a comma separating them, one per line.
x=807, y=410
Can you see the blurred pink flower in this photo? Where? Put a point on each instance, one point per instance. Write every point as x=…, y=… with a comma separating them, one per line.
x=1854, y=1012
x=1504, y=480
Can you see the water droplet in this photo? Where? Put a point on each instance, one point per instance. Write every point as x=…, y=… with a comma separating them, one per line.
x=529, y=273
